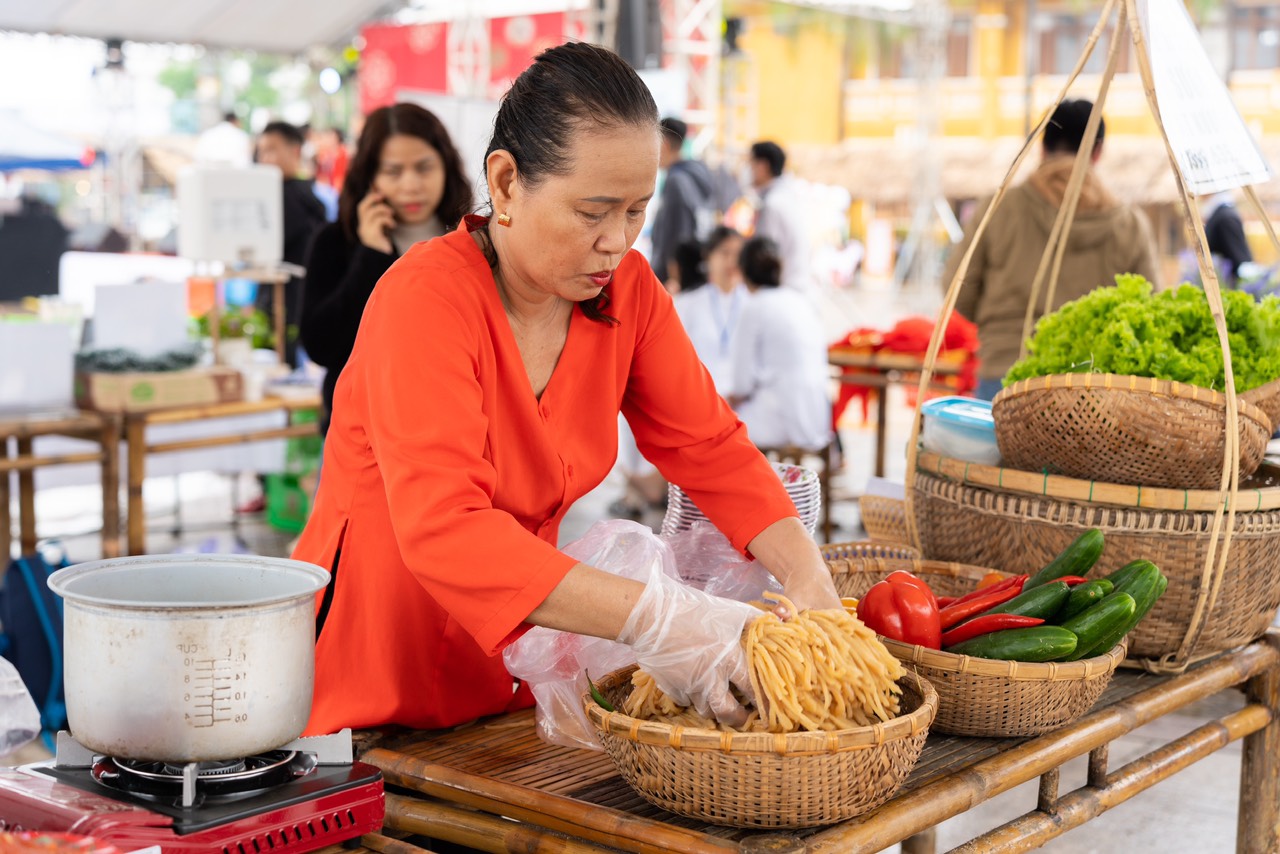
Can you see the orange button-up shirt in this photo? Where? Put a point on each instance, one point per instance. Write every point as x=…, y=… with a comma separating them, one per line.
x=445, y=479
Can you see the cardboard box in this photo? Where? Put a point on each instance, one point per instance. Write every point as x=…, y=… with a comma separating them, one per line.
x=139, y=392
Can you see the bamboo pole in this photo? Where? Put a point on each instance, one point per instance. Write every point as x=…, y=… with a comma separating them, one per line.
x=490, y=833
x=953, y=291
x=1258, y=828
x=1037, y=828
x=6, y=513
x=226, y=410
x=949, y=796
x=387, y=845
x=110, y=438
x=26, y=500
x=30, y=463
x=136, y=438
x=1211, y=578
x=291, y=432
x=576, y=818
x=1055, y=248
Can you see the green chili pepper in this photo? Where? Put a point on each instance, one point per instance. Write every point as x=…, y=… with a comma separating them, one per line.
x=597, y=696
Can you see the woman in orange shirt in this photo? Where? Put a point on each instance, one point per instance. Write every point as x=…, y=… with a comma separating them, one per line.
x=481, y=400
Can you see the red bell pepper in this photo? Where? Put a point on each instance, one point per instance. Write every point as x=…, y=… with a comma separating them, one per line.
x=1072, y=580
x=902, y=607
x=985, y=624
x=966, y=608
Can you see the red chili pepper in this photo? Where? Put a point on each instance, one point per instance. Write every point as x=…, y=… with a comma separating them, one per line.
x=903, y=608
x=1072, y=580
x=1012, y=581
x=963, y=610
x=985, y=624
x=944, y=601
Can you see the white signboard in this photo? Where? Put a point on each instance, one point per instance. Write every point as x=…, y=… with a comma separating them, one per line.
x=1212, y=144
x=148, y=318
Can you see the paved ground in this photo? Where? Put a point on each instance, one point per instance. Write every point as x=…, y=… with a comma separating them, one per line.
x=1193, y=812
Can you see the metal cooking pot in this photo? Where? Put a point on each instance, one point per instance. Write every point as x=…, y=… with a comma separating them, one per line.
x=188, y=658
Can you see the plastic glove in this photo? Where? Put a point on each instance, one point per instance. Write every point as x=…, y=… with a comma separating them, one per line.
x=691, y=644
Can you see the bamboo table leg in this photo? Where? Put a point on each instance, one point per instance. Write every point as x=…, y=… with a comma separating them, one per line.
x=6, y=518
x=882, y=426
x=922, y=843
x=26, y=500
x=1258, y=830
x=110, y=486
x=136, y=436
x=278, y=316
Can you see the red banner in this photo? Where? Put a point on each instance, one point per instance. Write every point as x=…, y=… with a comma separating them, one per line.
x=395, y=58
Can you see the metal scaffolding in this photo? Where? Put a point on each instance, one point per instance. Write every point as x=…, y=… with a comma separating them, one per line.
x=691, y=46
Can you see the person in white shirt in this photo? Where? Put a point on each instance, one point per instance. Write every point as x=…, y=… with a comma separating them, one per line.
x=780, y=372
x=710, y=313
x=781, y=216
x=225, y=144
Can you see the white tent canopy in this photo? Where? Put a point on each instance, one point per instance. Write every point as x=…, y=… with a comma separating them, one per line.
x=274, y=26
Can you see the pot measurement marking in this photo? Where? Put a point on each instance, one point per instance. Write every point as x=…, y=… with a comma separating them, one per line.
x=215, y=691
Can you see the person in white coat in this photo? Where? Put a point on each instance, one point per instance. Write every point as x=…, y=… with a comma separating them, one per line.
x=711, y=313
x=780, y=373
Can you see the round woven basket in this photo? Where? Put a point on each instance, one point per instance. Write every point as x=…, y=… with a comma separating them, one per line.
x=802, y=779
x=1123, y=429
x=1267, y=398
x=989, y=526
x=979, y=696
x=863, y=549
x=884, y=518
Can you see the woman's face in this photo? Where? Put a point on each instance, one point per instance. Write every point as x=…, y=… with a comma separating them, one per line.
x=722, y=263
x=410, y=177
x=569, y=232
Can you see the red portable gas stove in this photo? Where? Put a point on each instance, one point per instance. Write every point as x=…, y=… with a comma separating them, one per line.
x=308, y=794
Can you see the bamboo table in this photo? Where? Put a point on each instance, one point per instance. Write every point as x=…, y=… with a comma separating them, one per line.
x=495, y=786
x=104, y=429
x=135, y=428
x=884, y=369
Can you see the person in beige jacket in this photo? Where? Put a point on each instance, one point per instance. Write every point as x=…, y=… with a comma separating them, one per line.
x=1106, y=238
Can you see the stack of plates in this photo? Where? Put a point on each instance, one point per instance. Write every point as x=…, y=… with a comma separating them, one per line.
x=802, y=485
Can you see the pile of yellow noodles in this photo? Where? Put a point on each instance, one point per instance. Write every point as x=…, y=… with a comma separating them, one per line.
x=820, y=670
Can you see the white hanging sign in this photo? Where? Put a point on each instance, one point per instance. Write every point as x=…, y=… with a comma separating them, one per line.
x=1211, y=142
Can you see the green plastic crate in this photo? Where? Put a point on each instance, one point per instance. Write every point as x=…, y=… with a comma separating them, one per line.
x=288, y=505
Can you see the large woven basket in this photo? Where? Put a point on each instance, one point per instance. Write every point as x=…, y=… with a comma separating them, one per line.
x=1267, y=398
x=862, y=549
x=990, y=526
x=1123, y=429
x=803, y=779
x=884, y=518
x=978, y=696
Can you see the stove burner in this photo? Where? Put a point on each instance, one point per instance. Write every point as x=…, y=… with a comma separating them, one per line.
x=212, y=781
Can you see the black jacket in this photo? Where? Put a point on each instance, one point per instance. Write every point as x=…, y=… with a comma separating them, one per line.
x=303, y=215
x=340, y=277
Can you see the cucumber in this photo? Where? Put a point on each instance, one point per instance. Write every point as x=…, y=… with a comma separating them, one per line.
x=1084, y=595
x=1076, y=559
x=1044, y=602
x=1037, y=643
x=1095, y=624
x=1145, y=586
x=1128, y=571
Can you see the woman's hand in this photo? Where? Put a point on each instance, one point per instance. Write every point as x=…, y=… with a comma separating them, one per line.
x=691, y=644
x=786, y=550
x=374, y=221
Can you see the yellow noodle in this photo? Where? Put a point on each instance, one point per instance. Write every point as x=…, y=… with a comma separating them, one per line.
x=818, y=671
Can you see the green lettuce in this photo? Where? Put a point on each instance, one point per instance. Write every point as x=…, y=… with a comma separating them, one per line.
x=1127, y=329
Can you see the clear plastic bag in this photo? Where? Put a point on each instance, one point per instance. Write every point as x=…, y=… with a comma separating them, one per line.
x=708, y=561
x=19, y=717
x=554, y=663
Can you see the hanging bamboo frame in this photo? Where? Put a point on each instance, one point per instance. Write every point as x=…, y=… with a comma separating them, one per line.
x=1126, y=14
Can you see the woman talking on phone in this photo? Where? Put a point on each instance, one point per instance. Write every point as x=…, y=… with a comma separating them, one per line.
x=405, y=185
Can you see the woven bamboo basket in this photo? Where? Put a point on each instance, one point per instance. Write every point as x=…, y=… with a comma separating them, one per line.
x=1124, y=429
x=1004, y=529
x=1267, y=398
x=884, y=518
x=863, y=549
x=765, y=780
x=978, y=696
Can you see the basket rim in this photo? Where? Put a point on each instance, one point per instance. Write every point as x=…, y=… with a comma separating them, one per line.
x=1063, y=488
x=658, y=734
x=1131, y=383
x=917, y=566
x=831, y=551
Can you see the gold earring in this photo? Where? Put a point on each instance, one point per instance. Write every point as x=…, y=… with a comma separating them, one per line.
x=504, y=220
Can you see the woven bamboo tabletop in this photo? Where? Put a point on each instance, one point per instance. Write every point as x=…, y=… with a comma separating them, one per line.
x=501, y=767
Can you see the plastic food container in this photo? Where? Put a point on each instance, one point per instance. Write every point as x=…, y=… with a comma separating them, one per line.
x=961, y=428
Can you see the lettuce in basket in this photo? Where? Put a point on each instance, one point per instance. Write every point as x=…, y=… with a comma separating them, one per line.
x=1126, y=329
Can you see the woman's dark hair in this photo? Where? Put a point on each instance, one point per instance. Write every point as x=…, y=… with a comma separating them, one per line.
x=568, y=88
x=719, y=235
x=691, y=263
x=760, y=263
x=407, y=120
